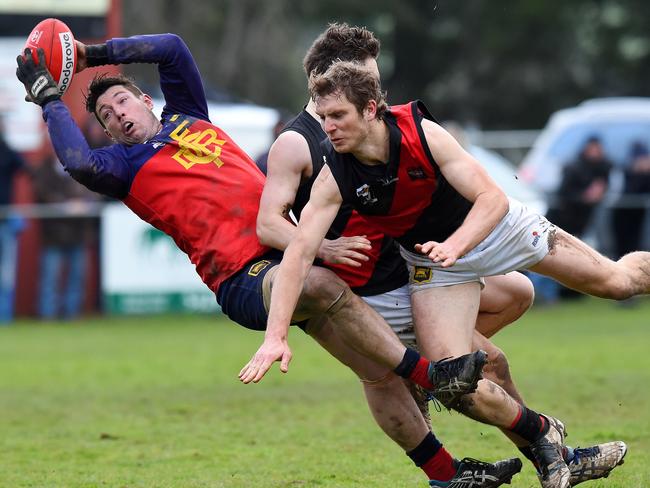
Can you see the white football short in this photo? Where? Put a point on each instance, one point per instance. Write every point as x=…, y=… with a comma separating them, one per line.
x=395, y=307
x=519, y=241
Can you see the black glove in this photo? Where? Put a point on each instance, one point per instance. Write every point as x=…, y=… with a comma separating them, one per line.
x=41, y=87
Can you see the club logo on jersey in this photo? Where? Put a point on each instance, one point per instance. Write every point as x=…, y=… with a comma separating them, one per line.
x=422, y=274
x=366, y=196
x=416, y=173
x=199, y=147
x=36, y=36
x=536, y=237
x=258, y=267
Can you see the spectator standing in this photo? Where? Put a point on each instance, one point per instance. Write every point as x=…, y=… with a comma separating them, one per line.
x=10, y=226
x=630, y=214
x=583, y=187
x=584, y=184
x=64, y=241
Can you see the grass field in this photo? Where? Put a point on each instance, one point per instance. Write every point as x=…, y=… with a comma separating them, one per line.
x=155, y=402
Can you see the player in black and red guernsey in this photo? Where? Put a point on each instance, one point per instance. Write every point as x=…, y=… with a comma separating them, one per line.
x=366, y=259
x=412, y=180
x=186, y=177
x=369, y=261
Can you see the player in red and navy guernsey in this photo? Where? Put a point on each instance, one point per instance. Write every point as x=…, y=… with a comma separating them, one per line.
x=412, y=180
x=185, y=176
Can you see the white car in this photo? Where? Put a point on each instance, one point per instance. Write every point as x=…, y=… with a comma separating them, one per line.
x=505, y=174
x=617, y=121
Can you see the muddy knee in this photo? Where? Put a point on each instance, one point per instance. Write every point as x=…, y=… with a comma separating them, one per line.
x=618, y=286
x=324, y=292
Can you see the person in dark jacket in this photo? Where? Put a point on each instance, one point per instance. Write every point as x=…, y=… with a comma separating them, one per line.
x=630, y=213
x=583, y=187
x=10, y=225
x=64, y=241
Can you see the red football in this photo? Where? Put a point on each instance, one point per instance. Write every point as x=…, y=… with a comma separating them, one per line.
x=56, y=39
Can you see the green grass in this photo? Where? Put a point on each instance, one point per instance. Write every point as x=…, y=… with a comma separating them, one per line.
x=155, y=402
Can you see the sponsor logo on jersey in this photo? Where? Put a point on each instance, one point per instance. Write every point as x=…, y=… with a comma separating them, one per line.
x=68, y=50
x=198, y=147
x=422, y=274
x=536, y=237
x=366, y=196
x=256, y=268
x=416, y=173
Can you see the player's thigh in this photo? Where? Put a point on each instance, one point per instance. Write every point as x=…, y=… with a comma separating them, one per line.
x=321, y=291
x=576, y=264
x=445, y=317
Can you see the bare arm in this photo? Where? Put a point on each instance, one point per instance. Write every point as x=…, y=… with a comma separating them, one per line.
x=289, y=281
x=471, y=180
x=289, y=162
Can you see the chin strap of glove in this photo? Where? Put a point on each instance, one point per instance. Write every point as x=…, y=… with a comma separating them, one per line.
x=41, y=87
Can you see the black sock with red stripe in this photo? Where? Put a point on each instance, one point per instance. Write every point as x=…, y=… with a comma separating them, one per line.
x=529, y=424
x=415, y=368
x=433, y=459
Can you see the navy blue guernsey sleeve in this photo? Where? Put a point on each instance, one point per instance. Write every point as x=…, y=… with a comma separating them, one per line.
x=180, y=80
x=111, y=170
x=101, y=170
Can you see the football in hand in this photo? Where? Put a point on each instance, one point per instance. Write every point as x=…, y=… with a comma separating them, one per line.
x=57, y=41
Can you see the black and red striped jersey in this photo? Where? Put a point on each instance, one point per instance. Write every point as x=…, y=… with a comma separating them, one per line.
x=408, y=198
x=385, y=270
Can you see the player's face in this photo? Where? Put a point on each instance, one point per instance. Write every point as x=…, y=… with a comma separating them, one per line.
x=345, y=127
x=127, y=117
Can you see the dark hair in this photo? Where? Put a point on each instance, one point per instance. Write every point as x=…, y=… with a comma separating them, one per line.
x=340, y=42
x=103, y=82
x=357, y=83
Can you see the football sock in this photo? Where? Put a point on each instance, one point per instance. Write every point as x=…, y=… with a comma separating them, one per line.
x=415, y=368
x=529, y=424
x=433, y=459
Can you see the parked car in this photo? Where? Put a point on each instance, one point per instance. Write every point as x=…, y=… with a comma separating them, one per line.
x=505, y=174
x=618, y=122
x=500, y=169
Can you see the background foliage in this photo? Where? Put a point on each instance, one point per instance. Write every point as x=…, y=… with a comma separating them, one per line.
x=497, y=63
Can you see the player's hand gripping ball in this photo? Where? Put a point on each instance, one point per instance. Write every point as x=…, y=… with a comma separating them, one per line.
x=57, y=42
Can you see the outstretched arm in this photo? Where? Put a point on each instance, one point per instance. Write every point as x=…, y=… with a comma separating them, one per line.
x=317, y=217
x=180, y=80
x=471, y=180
